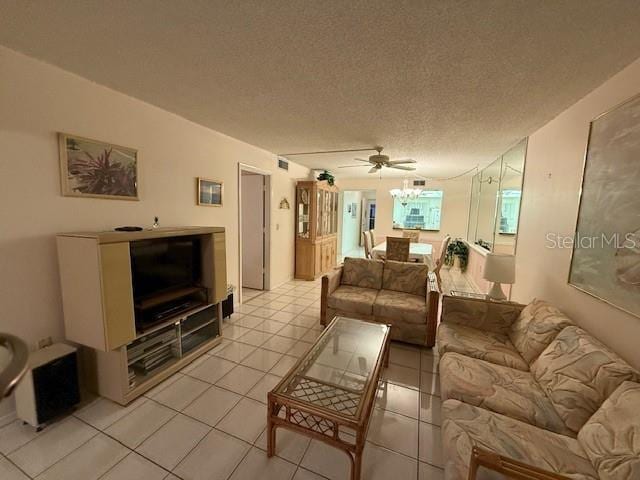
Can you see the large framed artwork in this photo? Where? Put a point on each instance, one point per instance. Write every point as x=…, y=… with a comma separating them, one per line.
x=91, y=168
x=606, y=249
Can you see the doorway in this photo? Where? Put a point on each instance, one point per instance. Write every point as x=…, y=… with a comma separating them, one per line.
x=368, y=211
x=358, y=215
x=253, y=210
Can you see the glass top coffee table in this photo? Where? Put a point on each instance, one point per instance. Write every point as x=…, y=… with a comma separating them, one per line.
x=330, y=392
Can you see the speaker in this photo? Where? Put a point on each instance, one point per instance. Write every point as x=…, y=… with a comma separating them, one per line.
x=50, y=388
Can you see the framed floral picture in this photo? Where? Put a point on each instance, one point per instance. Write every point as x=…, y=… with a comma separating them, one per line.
x=91, y=168
x=209, y=192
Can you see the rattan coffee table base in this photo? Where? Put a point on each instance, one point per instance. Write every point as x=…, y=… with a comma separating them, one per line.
x=334, y=422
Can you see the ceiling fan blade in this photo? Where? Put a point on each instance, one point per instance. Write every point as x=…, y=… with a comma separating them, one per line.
x=351, y=166
x=362, y=160
x=401, y=167
x=399, y=162
x=373, y=169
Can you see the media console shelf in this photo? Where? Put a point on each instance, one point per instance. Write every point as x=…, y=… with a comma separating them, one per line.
x=137, y=328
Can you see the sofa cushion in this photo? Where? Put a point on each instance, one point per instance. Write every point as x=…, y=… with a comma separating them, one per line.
x=405, y=277
x=536, y=326
x=353, y=299
x=484, y=345
x=484, y=315
x=402, y=306
x=578, y=373
x=465, y=426
x=362, y=272
x=503, y=390
x=611, y=437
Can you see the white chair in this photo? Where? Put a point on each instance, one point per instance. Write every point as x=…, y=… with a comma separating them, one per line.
x=440, y=260
x=372, y=238
x=367, y=245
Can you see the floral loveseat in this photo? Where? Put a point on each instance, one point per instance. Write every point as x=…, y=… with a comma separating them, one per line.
x=525, y=384
x=404, y=295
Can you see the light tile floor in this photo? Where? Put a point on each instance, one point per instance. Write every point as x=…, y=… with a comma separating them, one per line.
x=208, y=421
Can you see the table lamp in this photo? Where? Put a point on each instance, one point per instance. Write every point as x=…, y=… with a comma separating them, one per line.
x=499, y=268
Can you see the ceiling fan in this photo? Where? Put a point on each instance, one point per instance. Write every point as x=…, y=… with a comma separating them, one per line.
x=378, y=161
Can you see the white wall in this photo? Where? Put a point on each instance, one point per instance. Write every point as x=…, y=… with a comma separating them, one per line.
x=350, y=228
x=552, y=181
x=455, y=206
x=38, y=100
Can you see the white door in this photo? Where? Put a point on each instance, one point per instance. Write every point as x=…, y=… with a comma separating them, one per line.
x=252, y=231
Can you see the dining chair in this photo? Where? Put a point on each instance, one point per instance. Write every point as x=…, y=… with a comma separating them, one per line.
x=440, y=260
x=372, y=238
x=367, y=245
x=413, y=235
x=398, y=249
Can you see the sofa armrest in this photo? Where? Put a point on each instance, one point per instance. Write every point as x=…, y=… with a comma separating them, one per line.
x=433, y=304
x=330, y=282
x=489, y=315
x=509, y=467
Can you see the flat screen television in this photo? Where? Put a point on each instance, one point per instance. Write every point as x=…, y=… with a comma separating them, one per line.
x=163, y=264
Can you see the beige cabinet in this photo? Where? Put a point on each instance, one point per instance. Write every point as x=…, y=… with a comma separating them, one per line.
x=316, y=228
x=102, y=313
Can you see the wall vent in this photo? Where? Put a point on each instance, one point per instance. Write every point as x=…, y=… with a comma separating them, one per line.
x=283, y=163
x=419, y=183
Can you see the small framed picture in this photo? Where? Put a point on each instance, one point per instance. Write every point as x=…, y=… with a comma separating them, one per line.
x=209, y=192
x=91, y=168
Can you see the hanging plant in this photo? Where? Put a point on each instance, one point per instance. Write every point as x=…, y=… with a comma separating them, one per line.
x=460, y=249
x=326, y=176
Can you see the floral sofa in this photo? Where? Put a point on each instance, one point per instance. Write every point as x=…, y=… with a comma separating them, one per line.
x=525, y=384
x=404, y=295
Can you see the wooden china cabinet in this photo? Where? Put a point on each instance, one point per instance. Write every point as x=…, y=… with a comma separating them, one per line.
x=316, y=228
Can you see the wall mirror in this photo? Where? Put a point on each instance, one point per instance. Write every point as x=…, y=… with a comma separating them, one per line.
x=496, y=192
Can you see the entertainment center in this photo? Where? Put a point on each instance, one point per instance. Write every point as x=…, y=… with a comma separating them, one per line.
x=143, y=304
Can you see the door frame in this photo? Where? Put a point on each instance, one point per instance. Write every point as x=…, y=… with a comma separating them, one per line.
x=342, y=206
x=243, y=167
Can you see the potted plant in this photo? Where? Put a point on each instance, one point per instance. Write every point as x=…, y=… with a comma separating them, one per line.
x=457, y=254
x=326, y=176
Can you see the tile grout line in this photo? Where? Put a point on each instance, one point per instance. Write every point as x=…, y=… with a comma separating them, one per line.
x=132, y=450
x=97, y=432
x=242, y=396
x=418, y=420
x=17, y=466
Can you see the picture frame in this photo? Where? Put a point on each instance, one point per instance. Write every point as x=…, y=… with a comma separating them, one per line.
x=605, y=256
x=96, y=169
x=209, y=192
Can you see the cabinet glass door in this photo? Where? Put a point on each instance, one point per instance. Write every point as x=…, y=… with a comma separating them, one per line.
x=303, y=210
x=335, y=212
x=325, y=213
x=319, y=210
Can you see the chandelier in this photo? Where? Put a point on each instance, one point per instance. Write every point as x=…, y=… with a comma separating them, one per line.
x=405, y=194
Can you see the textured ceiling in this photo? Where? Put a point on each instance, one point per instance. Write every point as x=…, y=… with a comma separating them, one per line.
x=448, y=83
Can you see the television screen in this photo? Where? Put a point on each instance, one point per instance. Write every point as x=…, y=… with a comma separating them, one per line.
x=164, y=264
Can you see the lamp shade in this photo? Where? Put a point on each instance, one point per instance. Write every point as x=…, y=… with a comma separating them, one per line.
x=500, y=268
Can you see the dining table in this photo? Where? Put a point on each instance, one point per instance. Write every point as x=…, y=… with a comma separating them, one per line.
x=420, y=252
